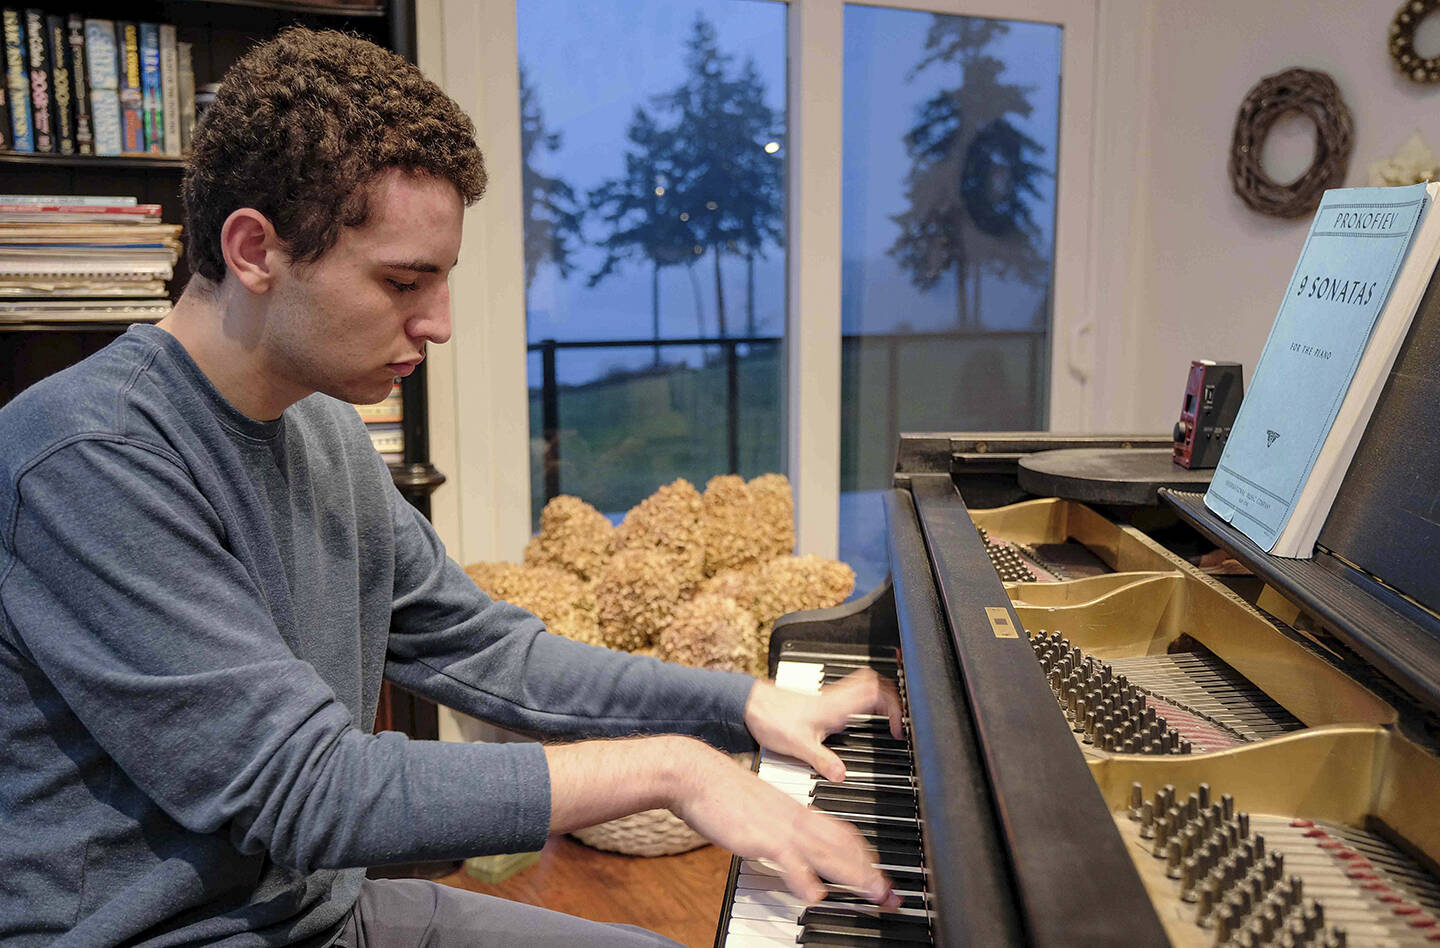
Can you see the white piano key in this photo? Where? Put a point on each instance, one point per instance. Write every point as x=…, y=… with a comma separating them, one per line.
x=748, y=940
x=804, y=677
x=753, y=926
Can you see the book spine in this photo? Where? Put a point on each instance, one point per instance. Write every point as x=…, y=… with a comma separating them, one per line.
x=5, y=131
x=132, y=102
x=17, y=82
x=150, y=88
x=87, y=200
x=62, y=86
x=42, y=99
x=187, y=95
x=87, y=209
x=79, y=85
x=170, y=88
x=102, y=58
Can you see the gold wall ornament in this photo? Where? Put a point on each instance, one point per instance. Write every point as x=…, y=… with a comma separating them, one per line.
x=1408, y=63
x=1412, y=164
x=1313, y=95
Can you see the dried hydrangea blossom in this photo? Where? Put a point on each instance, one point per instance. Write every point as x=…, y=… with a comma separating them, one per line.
x=636, y=597
x=737, y=584
x=668, y=521
x=552, y=594
x=710, y=632
x=573, y=536
x=792, y=583
x=743, y=525
x=774, y=514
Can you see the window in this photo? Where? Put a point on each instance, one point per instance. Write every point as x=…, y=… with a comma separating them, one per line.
x=951, y=132
x=653, y=145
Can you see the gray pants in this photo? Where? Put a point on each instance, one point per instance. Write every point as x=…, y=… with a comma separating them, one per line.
x=401, y=913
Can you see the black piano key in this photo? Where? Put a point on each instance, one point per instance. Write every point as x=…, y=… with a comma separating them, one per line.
x=899, y=856
x=841, y=941
x=904, y=837
x=867, y=740
x=864, y=808
x=848, y=789
x=915, y=902
x=898, y=830
x=876, y=723
x=877, y=755
x=887, y=762
x=857, y=777
x=827, y=921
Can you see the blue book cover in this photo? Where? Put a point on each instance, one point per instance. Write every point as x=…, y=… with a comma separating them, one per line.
x=103, y=62
x=150, y=87
x=1355, y=249
x=17, y=81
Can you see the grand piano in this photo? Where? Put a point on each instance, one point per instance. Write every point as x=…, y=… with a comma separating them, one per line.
x=1110, y=745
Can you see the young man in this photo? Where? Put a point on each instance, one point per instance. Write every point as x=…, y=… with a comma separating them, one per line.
x=205, y=570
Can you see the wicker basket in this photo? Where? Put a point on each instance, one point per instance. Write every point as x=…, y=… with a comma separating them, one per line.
x=649, y=832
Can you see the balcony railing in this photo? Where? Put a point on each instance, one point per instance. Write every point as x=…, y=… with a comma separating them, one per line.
x=862, y=463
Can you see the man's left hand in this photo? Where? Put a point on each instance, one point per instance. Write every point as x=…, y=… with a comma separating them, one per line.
x=796, y=724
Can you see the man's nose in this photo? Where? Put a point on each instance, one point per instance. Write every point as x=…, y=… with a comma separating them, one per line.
x=432, y=322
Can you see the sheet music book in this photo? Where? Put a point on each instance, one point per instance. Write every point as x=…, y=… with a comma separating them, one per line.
x=1365, y=263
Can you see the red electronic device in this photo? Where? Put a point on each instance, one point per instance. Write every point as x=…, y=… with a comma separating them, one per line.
x=1212, y=399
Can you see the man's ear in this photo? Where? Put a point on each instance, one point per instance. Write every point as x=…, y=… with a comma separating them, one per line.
x=249, y=242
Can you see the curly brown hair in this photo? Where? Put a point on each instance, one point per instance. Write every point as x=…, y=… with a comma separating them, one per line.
x=300, y=127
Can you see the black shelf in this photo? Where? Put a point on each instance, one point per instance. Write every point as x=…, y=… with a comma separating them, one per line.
x=349, y=9
x=103, y=162
x=1397, y=636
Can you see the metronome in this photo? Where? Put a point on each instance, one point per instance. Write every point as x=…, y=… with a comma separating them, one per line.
x=1212, y=399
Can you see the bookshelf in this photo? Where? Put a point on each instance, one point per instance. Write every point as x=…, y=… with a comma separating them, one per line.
x=220, y=31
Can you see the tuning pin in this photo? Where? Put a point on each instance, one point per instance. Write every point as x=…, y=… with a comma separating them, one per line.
x=1147, y=820
x=1206, y=903
x=1137, y=800
x=1224, y=920
x=1204, y=794
x=1189, y=873
x=1227, y=804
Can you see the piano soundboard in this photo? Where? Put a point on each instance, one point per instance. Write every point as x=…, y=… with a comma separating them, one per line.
x=1106, y=746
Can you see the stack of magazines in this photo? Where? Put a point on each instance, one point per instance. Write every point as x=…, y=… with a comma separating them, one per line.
x=66, y=258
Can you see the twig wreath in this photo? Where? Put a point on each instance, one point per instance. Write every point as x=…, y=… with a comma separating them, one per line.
x=1313, y=95
x=1402, y=42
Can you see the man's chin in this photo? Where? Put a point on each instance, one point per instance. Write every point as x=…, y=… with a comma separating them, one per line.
x=362, y=393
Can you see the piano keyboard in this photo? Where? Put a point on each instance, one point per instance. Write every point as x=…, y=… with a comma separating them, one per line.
x=877, y=797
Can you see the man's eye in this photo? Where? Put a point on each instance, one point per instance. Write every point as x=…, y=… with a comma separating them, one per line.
x=402, y=287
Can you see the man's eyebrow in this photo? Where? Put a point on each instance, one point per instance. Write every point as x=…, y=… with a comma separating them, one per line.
x=419, y=266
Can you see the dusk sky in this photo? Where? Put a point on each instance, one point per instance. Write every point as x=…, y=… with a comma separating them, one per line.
x=592, y=63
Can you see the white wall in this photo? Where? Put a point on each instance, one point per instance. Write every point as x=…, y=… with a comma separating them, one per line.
x=1210, y=272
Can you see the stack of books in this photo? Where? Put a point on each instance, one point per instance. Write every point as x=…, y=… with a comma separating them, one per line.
x=383, y=422
x=78, y=86
x=66, y=258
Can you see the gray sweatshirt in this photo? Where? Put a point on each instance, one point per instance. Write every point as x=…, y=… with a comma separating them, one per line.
x=196, y=610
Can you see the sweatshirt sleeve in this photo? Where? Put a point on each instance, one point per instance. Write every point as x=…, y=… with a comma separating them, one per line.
x=121, y=588
x=493, y=660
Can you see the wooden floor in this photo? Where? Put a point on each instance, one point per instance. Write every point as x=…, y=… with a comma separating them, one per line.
x=677, y=896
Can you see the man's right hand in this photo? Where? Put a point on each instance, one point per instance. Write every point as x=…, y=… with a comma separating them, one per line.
x=597, y=781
